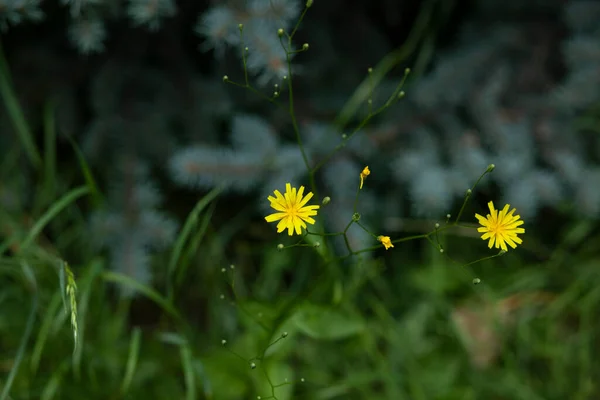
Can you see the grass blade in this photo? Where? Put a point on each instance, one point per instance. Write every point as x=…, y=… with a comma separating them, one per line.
x=16, y=113
x=132, y=359
x=143, y=289
x=185, y=233
x=29, y=275
x=188, y=371
x=49, y=150
x=87, y=174
x=196, y=239
x=44, y=333
x=52, y=212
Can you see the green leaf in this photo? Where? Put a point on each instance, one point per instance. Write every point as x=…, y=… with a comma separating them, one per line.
x=327, y=323
x=280, y=382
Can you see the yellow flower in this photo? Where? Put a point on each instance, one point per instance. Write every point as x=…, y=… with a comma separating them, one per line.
x=500, y=227
x=365, y=172
x=385, y=241
x=293, y=211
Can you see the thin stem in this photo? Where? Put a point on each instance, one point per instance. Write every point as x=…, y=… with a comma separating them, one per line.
x=292, y=113
x=468, y=196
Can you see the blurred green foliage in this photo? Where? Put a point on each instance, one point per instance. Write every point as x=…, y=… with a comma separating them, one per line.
x=229, y=316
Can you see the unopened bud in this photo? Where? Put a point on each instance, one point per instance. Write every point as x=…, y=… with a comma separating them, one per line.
x=326, y=200
x=280, y=32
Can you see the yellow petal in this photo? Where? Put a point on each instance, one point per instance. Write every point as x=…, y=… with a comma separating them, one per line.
x=308, y=219
x=282, y=225
x=305, y=200
x=275, y=217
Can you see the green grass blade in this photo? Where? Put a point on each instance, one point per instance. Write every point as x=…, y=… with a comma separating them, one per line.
x=188, y=371
x=87, y=174
x=193, y=247
x=54, y=383
x=52, y=212
x=391, y=60
x=44, y=332
x=87, y=285
x=147, y=291
x=49, y=150
x=15, y=113
x=62, y=280
x=132, y=359
x=29, y=275
x=185, y=233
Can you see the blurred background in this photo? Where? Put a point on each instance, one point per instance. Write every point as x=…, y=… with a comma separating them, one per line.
x=128, y=159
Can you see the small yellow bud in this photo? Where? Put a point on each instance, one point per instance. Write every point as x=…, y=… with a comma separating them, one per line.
x=385, y=241
x=365, y=172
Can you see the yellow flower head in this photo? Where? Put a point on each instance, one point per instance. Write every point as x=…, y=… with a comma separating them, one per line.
x=500, y=227
x=385, y=241
x=365, y=172
x=292, y=210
